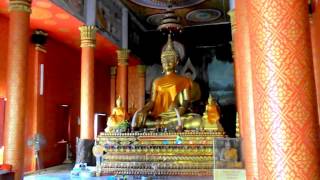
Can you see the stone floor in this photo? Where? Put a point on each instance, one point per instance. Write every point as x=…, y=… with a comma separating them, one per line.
x=62, y=172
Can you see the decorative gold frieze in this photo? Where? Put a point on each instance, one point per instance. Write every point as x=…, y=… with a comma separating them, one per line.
x=141, y=70
x=113, y=71
x=123, y=55
x=88, y=36
x=20, y=5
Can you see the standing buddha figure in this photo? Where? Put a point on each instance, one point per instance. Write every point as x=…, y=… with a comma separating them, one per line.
x=170, y=97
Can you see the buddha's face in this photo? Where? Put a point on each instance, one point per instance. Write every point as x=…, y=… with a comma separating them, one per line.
x=210, y=100
x=169, y=63
x=118, y=103
x=227, y=145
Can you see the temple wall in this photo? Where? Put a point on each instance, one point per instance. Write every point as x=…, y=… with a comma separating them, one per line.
x=3, y=54
x=31, y=107
x=101, y=88
x=61, y=86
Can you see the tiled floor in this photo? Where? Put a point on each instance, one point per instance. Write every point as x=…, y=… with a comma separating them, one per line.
x=62, y=172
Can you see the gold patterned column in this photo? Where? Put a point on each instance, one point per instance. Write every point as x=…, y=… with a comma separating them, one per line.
x=122, y=76
x=283, y=90
x=113, y=73
x=244, y=89
x=88, y=43
x=141, y=70
x=19, y=15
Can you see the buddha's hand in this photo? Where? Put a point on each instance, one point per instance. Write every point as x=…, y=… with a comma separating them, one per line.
x=139, y=118
x=180, y=108
x=168, y=114
x=172, y=113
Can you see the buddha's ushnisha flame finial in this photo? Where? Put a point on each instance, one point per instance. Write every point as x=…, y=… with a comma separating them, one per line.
x=119, y=100
x=169, y=50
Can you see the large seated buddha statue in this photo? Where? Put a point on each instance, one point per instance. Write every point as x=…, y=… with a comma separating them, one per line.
x=169, y=100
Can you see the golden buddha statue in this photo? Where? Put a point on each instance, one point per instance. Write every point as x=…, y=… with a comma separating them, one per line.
x=117, y=117
x=211, y=116
x=170, y=98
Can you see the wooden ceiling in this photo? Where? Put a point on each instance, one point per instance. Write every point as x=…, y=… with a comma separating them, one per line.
x=205, y=24
x=63, y=26
x=190, y=12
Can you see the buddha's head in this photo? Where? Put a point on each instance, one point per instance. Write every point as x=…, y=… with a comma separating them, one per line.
x=169, y=57
x=227, y=145
x=119, y=102
x=210, y=99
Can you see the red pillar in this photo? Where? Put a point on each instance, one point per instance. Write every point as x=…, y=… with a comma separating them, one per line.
x=122, y=76
x=315, y=39
x=244, y=89
x=19, y=14
x=113, y=73
x=283, y=90
x=141, y=70
x=88, y=36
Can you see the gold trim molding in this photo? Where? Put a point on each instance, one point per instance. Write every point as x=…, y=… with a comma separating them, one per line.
x=123, y=55
x=113, y=71
x=20, y=5
x=40, y=48
x=141, y=69
x=88, y=36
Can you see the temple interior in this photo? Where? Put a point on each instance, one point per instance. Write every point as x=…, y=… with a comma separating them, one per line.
x=159, y=89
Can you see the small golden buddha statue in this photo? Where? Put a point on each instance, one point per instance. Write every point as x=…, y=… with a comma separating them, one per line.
x=170, y=98
x=211, y=116
x=117, y=117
